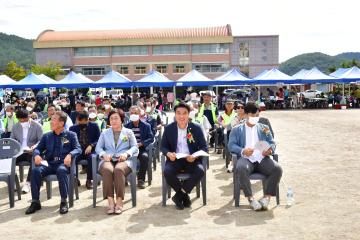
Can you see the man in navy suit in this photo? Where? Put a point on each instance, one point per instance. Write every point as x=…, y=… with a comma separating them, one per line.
x=183, y=136
x=88, y=134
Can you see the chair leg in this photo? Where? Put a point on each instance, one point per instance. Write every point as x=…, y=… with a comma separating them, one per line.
x=277, y=195
x=76, y=189
x=149, y=170
x=21, y=173
x=11, y=191
x=18, y=190
x=71, y=181
x=237, y=191
x=169, y=191
x=164, y=191
x=203, y=189
x=133, y=188
x=95, y=184
x=198, y=190
x=48, y=189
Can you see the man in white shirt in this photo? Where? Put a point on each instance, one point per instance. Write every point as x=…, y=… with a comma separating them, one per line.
x=243, y=141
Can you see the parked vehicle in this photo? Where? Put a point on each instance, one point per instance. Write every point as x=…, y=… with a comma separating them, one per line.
x=311, y=93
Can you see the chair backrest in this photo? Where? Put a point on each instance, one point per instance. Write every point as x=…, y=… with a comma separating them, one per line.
x=9, y=148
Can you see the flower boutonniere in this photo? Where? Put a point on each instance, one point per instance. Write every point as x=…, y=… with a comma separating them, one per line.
x=124, y=138
x=189, y=136
x=266, y=131
x=65, y=140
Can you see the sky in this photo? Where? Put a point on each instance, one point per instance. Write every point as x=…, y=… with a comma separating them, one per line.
x=327, y=26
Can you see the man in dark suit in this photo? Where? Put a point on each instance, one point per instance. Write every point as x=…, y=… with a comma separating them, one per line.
x=88, y=134
x=183, y=136
x=144, y=137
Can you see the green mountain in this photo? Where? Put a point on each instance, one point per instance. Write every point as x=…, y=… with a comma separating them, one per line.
x=14, y=48
x=320, y=60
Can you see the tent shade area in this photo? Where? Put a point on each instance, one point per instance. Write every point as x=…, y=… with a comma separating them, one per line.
x=33, y=81
x=5, y=81
x=233, y=77
x=113, y=79
x=274, y=76
x=314, y=75
x=154, y=79
x=194, y=78
x=351, y=75
x=73, y=80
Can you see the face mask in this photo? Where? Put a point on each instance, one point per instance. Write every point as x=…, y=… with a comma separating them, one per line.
x=100, y=116
x=29, y=109
x=64, y=104
x=253, y=120
x=25, y=124
x=148, y=109
x=192, y=115
x=134, y=117
x=9, y=114
x=142, y=112
x=107, y=106
x=92, y=115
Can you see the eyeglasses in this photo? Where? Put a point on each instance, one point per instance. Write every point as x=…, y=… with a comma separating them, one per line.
x=240, y=107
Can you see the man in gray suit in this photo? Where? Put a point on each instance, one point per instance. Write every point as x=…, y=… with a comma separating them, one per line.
x=242, y=141
x=28, y=133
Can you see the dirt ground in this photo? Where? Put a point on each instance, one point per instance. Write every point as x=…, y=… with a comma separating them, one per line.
x=319, y=153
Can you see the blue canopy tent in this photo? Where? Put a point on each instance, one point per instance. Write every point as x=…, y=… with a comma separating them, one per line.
x=113, y=79
x=73, y=80
x=194, y=78
x=46, y=78
x=233, y=77
x=300, y=74
x=339, y=72
x=32, y=81
x=351, y=75
x=5, y=81
x=314, y=75
x=154, y=79
x=274, y=76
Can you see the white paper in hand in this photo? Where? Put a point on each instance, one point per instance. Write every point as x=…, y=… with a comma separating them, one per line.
x=200, y=153
x=181, y=155
x=262, y=146
x=44, y=163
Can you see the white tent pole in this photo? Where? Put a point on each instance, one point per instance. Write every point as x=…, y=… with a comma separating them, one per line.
x=343, y=93
x=174, y=90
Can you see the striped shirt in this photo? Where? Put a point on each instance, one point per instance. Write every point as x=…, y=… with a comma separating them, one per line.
x=136, y=131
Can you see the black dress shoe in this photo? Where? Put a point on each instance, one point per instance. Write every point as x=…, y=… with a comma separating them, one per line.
x=141, y=184
x=78, y=182
x=186, y=200
x=64, y=208
x=178, y=200
x=33, y=208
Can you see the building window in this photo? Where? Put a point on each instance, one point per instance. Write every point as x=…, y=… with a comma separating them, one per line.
x=161, y=68
x=211, y=67
x=179, y=68
x=96, y=70
x=140, y=69
x=217, y=48
x=91, y=51
x=244, y=54
x=123, y=69
x=130, y=51
x=170, y=49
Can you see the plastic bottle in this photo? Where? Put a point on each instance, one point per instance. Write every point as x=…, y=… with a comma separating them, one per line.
x=290, y=197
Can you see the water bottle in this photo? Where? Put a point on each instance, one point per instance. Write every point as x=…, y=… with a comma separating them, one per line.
x=290, y=197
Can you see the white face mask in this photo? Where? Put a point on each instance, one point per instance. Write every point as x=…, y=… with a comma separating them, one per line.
x=253, y=120
x=25, y=124
x=92, y=115
x=192, y=114
x=142, y=112
x=29, y=109
x=100, y=116
x=134, y=117
x=9, y=114
x=107, y=106
x=148, y=109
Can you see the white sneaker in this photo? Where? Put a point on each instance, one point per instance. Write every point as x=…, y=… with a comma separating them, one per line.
x=255, y=205
x=25, y=188
x=264, y=202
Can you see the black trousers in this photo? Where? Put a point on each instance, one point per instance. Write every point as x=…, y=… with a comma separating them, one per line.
x=220, y=133
x=25, y=157
x=144, y=162
x=172, y=168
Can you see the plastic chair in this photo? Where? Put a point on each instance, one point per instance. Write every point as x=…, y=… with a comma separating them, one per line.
x=97, y=178
x=150, y=150
x=253, y=176
x=71, y=178
x=166, y=189
x=10, y=148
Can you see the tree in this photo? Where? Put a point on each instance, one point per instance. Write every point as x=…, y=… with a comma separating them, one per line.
x=345, y=64
x=51, y=69
x=14, y=71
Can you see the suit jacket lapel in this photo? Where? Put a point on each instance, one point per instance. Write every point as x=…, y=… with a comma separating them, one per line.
x=244, y=134
x=29, y=132
x=175, y=137
x=111, y=133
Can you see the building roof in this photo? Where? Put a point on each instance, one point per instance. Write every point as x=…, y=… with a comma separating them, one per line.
x=51, y=35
